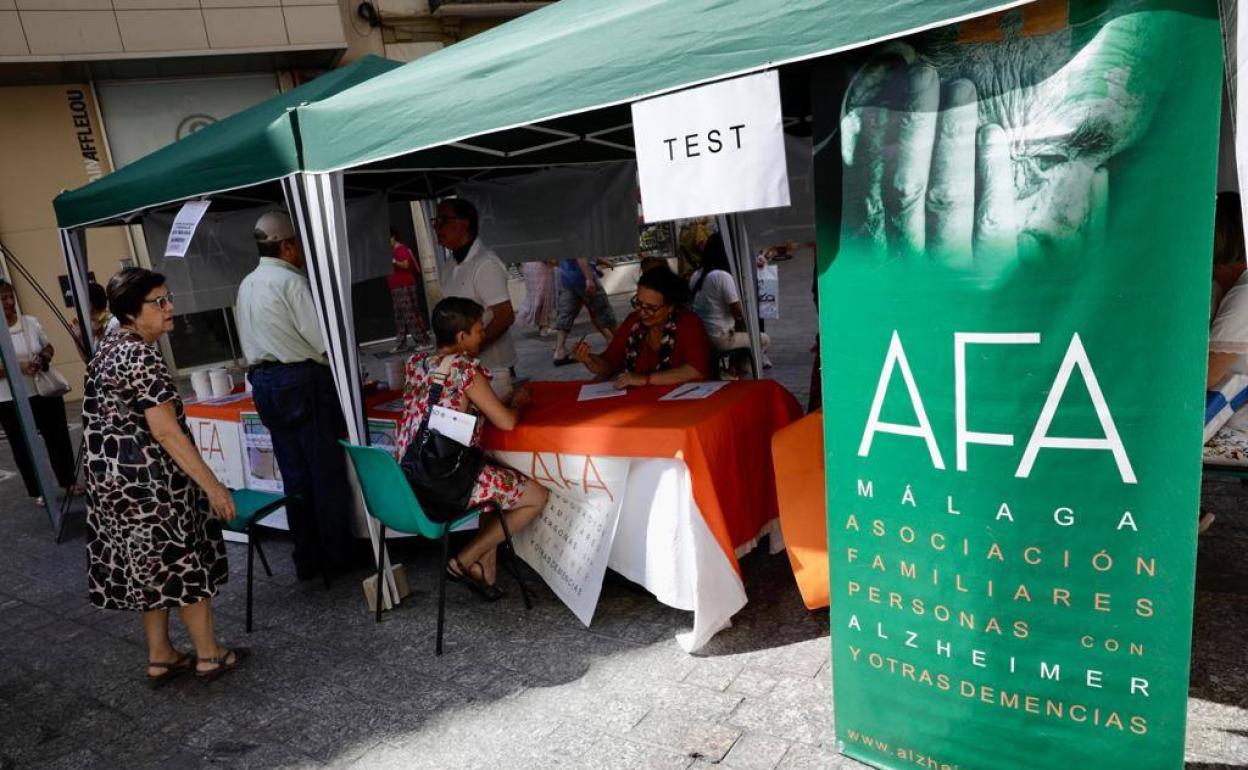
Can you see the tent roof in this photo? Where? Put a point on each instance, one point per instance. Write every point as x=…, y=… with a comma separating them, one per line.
x=248, y=148
x=581, y=55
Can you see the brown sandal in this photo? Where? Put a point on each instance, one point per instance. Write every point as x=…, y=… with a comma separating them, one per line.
x=223, y=662
x=171, y=670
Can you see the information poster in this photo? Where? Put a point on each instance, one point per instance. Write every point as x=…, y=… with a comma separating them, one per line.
x=220, y=444
x=570, y=543
x=383, y=434
x=261, y=468
x=1015, y=223
x=183, y=229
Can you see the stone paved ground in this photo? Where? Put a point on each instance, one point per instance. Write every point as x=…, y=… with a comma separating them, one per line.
x=515, y=689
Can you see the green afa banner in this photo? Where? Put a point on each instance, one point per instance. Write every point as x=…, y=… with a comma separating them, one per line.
x=1015, y=236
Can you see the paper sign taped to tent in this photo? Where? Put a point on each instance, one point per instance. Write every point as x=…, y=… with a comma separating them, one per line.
x=712, y=150
x=183, y=229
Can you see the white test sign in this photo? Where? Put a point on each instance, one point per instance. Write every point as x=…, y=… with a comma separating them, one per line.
x=716, y=149
x=183, y=228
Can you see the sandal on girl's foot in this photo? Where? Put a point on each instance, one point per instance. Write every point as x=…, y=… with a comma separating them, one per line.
x=478, y=585
x=226, y=662
x=171, y=670
x=454, y=570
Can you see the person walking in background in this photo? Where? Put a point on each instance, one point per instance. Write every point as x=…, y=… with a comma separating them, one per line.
x=475, y=272
x=295, y=398
x=690, y=241
x=1228, y=330
x=580, y=284
x=409, y=317
x=153, y=506
x=34, y=355
x=538, y=309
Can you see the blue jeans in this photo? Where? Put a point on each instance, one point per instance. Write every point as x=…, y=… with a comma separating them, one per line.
x=299, y=406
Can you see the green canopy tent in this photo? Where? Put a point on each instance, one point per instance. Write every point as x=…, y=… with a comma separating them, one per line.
x=554, y=88
x=236, y=161
x=254, y=147
x=549, y=89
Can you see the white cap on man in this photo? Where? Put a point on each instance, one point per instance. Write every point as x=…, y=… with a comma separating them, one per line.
x=274, y=227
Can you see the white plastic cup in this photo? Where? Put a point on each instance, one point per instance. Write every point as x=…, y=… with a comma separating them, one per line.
x=394, y=373
x=221, y=381
x=201, y=384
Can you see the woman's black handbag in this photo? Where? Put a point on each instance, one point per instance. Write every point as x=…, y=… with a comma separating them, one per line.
x=441, y=470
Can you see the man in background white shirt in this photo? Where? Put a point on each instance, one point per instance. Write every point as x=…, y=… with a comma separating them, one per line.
x=475, y=272
x=295, y=397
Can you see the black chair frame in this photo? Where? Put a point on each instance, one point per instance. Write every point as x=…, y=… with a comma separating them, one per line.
x=511, y=562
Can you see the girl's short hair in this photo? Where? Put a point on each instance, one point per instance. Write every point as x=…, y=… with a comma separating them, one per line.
x=452, y=316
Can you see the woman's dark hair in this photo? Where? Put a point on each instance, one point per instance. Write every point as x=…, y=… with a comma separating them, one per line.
x=5, y=285
x=394, y=233
x=98, y=297
x=661, y=279
x=452, y=316
x=714, y=257
x=128, y=289
x=1228, y=230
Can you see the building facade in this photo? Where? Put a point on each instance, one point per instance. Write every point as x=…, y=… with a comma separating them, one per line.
x=87, y=86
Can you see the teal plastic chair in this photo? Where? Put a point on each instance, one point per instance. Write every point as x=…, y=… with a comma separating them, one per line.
x=251, y=507
x=390, y=500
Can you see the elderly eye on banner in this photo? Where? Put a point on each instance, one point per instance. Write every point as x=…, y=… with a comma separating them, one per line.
x=991, y=144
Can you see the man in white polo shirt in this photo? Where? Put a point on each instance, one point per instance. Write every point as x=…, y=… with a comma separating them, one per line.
x=295, y=397
x=474, y=271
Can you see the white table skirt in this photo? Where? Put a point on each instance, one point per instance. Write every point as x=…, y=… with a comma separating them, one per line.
x=663, y=543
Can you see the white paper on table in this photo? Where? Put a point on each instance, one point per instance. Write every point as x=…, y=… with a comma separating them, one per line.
x=570, y=543
x=597, y=390
x=694, y=391
x=453, y=424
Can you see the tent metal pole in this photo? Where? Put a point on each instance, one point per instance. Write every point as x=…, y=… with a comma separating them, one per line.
x=74, y=251
x=732, y=228
x=29, y=434
x=318, y=208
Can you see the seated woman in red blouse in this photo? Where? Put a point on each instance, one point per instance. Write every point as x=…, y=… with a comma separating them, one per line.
x=661, y=343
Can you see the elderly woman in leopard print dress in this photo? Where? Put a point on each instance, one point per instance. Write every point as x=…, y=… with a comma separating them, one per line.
x=154, y=539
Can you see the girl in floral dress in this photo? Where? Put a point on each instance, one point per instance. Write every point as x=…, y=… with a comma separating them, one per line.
x=459, y=332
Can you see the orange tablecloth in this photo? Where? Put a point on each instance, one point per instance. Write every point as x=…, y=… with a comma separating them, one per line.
x=724, y=440
x=798, y=454
x=232, y=410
